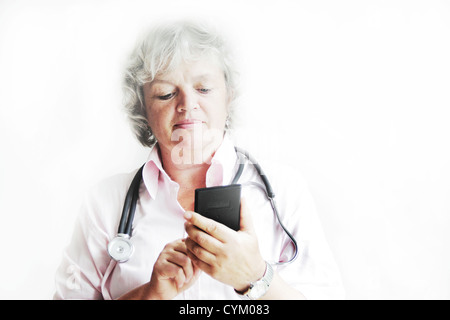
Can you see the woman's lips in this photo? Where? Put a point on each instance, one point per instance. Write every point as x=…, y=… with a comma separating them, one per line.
x=188, y=124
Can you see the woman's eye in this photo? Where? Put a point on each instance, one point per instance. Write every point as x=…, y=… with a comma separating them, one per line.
x=167, y=96
x=204, y=90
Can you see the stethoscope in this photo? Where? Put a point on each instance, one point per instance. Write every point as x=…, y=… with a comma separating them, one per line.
x=121, y=248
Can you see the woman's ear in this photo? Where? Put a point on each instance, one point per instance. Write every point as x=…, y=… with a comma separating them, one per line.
x=227, y=122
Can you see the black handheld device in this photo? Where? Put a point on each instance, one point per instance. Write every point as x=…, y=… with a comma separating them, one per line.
x=221, y=204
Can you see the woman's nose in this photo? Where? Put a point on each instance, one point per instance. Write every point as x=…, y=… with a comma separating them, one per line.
x=187, y=102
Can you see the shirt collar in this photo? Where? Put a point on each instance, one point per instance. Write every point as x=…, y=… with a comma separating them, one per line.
x=219, y=173
x=151, y=172
x=222, y=164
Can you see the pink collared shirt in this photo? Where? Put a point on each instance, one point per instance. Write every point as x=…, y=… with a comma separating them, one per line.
x=88, y=272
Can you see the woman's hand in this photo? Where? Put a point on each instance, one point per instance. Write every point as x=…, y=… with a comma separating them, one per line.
x=173, y=272
x=228, y=256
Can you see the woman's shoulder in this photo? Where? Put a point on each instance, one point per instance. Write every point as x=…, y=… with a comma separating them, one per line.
x=113, y=186
x=292, y=192
x=283, y=177
x=104, y=199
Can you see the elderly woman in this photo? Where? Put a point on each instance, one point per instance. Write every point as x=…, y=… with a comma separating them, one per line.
x=180, y=98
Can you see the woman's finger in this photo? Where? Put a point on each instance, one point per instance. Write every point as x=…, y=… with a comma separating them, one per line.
x=175, y=259
x=200, y=253
x=203, y=239
x=211, y=227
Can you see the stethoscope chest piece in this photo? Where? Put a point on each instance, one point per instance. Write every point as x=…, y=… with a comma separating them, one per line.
x=121, y=248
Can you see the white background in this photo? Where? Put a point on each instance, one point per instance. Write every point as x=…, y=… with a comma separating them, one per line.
x=355, y=94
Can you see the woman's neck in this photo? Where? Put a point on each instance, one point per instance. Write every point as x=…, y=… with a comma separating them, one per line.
x=188, y=174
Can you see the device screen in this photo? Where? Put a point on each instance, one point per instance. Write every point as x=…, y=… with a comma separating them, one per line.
x=221, y=204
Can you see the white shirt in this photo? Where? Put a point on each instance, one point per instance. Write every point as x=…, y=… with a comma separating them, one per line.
x=88, y=272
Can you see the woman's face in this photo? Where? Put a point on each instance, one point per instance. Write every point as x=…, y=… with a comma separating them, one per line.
x=187, y=109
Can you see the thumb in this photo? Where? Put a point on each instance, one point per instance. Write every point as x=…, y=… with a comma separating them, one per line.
x=246, y=223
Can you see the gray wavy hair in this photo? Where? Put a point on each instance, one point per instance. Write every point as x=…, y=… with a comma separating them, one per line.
x=162, y=49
